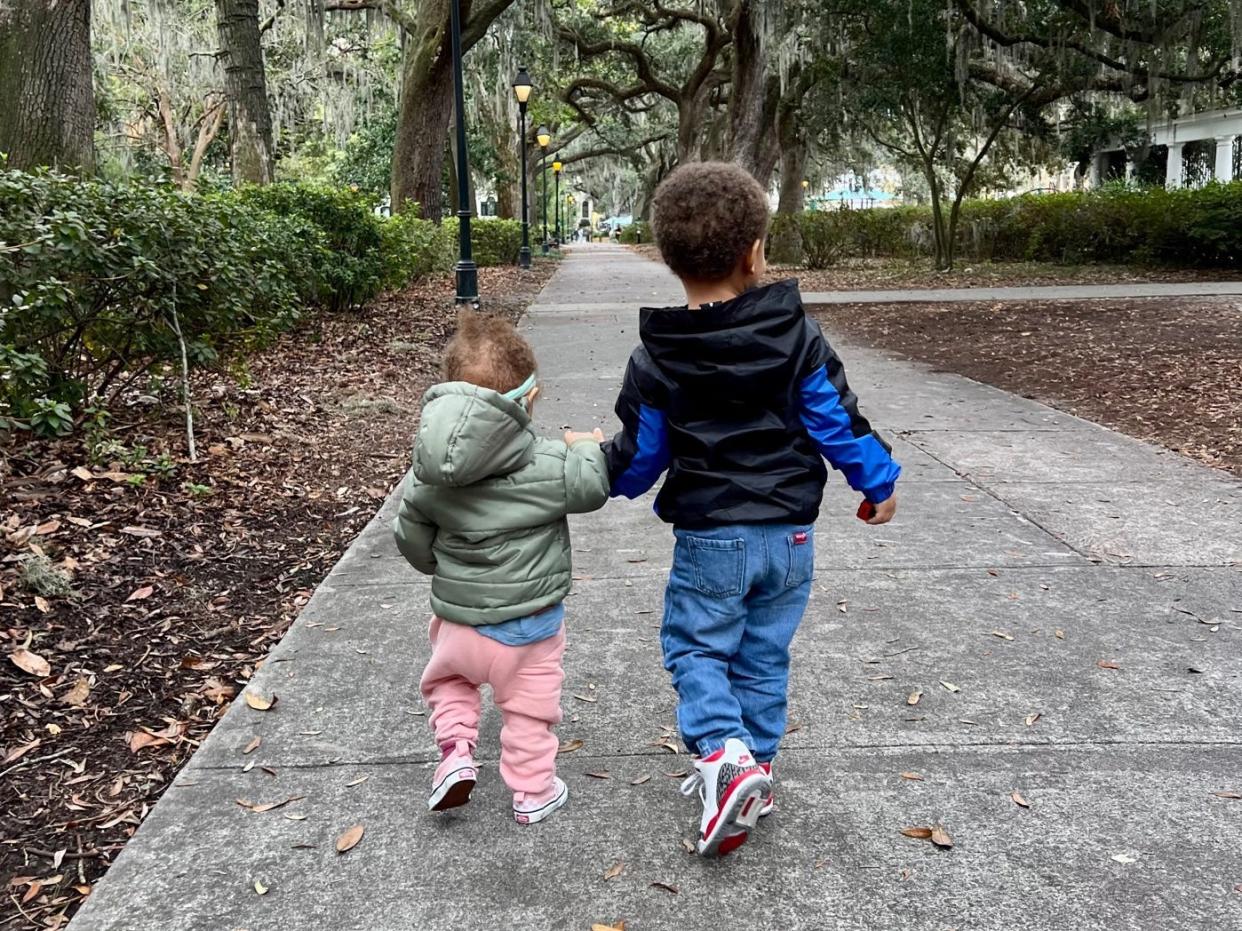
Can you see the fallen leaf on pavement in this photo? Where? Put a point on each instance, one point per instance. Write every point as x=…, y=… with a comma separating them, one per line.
x=913, y=698
x=913, y=777
x=356, y=782
x=619, y=926
x=1228, y=794
x=32, y=663
x=687, y=845
x=667, y=887
x=268, y=806
x=253, y=745
x=950, y=686
x=570, y=746
x=1107, y=664
x=639, y=780
x=1002, y=635
x=1018, y=799
x=1059, y=634
x=260, y=888
x=614, y=871
x=940, y=837
x=1123, y=858
x=259, y=702
x=599, y=775
x=920, y=833
x=349, y=840
x=1032, y=718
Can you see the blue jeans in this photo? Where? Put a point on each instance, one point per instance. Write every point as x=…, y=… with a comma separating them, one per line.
x=735, y=598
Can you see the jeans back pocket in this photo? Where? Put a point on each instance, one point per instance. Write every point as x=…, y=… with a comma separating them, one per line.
x=719, y=565
x=801, y=557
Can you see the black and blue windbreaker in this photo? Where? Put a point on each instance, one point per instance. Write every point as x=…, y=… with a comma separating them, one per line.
x=741, y=402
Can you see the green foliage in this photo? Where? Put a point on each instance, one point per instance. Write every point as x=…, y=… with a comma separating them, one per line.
x=367, y=158
x=493, y=241
x=825, y=237
x=91, y=273
x=413, y=247
x=636, y=232
x=352, y=270
x=1186, y=227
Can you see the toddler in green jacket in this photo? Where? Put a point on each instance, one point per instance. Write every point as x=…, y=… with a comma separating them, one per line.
x=484, y=514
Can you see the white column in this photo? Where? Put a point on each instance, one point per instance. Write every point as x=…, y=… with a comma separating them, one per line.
x=1096, y=174
x=1224, y=159
x=1173, y=172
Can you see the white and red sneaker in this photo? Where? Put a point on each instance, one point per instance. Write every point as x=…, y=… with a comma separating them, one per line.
x=454, y=779
x=732, y=787
x=531, y=809
x=769, y=800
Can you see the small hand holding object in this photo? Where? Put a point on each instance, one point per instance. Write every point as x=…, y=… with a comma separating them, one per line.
x=571, y=437
x=880, y=513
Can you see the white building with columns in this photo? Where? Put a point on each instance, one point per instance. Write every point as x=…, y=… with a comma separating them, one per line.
x=1223, y=128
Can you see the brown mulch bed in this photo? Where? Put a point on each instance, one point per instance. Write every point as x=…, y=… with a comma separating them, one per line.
x=1165, y=371
x=139, y=591
x=889, y=274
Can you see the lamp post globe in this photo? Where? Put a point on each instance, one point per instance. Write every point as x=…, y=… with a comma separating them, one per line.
x=543, y=137
x=522, y=89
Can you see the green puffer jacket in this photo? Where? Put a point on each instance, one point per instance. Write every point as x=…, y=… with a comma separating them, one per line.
x=485, y=505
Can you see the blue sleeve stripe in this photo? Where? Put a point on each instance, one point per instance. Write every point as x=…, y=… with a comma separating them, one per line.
x=651, y=457
x=863, y=460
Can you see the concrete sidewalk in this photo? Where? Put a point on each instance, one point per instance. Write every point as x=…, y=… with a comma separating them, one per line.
x=1031, y=547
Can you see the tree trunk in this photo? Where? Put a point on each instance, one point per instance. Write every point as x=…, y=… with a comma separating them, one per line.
x=752, y=98
x=786, y=244
x=245, y=84
x=423, y=122
x=47, y=102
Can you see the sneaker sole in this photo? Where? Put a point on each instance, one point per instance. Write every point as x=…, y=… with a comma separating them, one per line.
x=454, y=791
x=740, y=813
x=534, y=817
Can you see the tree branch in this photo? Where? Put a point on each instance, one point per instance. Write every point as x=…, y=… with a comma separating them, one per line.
x=388, y=7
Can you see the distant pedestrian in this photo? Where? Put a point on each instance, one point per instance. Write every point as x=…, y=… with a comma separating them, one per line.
x=738, y=395
x=484, y=513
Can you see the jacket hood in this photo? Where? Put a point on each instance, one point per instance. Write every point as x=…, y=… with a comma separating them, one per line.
x=745, y=343
x=468, y=434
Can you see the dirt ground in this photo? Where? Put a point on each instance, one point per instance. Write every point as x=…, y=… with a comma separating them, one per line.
x=139, y=591
x=1168, y=372
x=886, y=274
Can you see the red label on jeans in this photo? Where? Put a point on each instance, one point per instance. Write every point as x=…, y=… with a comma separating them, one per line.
x=801, y=537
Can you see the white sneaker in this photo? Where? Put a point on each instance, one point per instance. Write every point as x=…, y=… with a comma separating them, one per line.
x=531, y=809
x=454, y=779
x=732, y=787
x=769, y=800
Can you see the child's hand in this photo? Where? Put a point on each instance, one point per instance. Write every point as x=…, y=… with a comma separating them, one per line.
x=571, y=437
x=884, y=511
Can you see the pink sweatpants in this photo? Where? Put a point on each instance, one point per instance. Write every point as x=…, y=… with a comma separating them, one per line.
x=526, y=684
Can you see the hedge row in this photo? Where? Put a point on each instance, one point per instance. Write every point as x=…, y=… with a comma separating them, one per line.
x=97, y=278
x=1151, y=226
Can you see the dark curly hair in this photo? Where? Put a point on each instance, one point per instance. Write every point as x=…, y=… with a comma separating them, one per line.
x=706, y=216
x=489, y=352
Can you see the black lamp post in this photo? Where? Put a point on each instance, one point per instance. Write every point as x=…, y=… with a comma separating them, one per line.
x=521, y=89
x=570, y=219
x=467, y=271
x=556, y=199
x=543, y=137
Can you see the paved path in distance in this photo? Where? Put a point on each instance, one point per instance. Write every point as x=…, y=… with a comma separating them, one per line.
x=1064, y=603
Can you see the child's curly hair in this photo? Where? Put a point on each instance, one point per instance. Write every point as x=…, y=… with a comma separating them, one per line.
x=706, y=216
x=487, y=351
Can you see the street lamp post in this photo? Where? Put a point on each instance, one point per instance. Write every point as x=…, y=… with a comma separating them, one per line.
x=556, y=199
x=521, y=89
x=543, y=137
x=467, y=271
x=570, y=219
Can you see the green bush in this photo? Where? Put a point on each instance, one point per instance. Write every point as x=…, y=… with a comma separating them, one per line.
x=354, y=269
x=1116, y=224
x=636, y=232
x=413, y=247
x=492, y=241
x=825, y=237
x=96, y=276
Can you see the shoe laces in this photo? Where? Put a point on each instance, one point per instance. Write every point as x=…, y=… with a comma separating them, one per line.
x=694, y=783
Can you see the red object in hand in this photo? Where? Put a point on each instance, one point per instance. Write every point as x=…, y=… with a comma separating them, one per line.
x=866, y=510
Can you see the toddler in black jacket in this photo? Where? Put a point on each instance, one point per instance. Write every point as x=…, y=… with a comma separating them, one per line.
x=740, y=398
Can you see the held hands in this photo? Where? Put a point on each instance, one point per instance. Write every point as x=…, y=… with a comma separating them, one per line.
x=571, y=437
x=880, y=513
